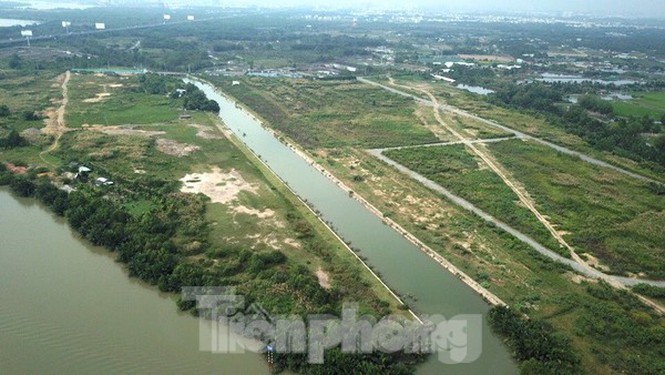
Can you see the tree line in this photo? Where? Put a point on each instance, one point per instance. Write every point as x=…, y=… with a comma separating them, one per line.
x=592, y=119
x=156, y=246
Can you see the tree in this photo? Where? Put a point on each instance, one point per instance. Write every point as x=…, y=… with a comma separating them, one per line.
x=15, y=62
x=31, y=116
x=13, y=140
x=4, y=110
x=22, y=186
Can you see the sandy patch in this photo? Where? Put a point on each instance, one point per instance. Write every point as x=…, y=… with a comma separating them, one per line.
x=324, y=278
x=116, y=85
x=577, y=278
x=293, y=242
x=205, y=132
x=595, y=263
x=251, y=211
x=139, y=171
x=98, y=98
x=121, y=130
x=173, y=148
x=220, y=187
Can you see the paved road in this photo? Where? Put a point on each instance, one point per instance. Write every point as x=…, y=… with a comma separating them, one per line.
x=517, y=234
x=518, y=133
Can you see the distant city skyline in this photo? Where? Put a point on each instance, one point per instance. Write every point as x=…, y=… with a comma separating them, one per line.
x=629, y=8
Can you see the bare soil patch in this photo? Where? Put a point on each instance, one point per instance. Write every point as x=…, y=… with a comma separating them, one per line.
x=251, y=211
x=16, y=169
x=123, y=130
x=173, y=148
x=98, y=98
x=219, y=186
x=324, y=278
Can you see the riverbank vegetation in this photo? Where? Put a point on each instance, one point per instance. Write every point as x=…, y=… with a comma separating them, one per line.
x=260, y=239
x=549, y=293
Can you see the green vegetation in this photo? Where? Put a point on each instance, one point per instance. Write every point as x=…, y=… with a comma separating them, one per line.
x=616, y=218
x=651, y=104
x=538, y=348
x=531, y=284
x=172, y=239
x=332, y=113
x=454, y=168
x=650, y=291
x=623, y=137
x=12, y=140
x=596, y=104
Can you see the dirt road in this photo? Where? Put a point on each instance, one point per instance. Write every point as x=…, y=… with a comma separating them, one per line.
x=518, y=133
x=577, y=263
x=56, y=125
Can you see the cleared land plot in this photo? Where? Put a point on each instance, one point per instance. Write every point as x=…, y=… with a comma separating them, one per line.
x=454, y=168
x=257, y=218
x=103, y=100
x=606, y=327
x=527, y=123
x=333, y=114
x=645, y=103
x=614, y=218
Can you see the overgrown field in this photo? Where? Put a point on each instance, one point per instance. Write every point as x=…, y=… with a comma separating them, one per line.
x=610, y=331
x=454, y=168
x=613, y=217
x=643, y=103
x=104, y=100
x=245, y=230
x=332, y=113
x=533, y=124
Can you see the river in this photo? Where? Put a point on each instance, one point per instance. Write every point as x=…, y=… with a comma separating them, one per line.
x=68, y=308
x=401, y=264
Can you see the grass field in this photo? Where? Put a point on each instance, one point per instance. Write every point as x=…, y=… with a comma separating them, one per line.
x=643, y=103
x=104, y=100
x=260, y=220
x=22, y=94
x=613, y=217
x=332, y=113
x=524, y=122
x=512, y=270
x=456, y=169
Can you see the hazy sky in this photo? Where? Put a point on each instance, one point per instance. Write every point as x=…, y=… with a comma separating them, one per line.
x=654, y=8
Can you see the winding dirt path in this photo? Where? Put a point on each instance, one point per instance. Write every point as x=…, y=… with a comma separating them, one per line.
x=524, y=196
x=57, y=126
x=561, y=149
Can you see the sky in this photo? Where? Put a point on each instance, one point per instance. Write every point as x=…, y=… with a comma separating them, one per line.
x=652, y=8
